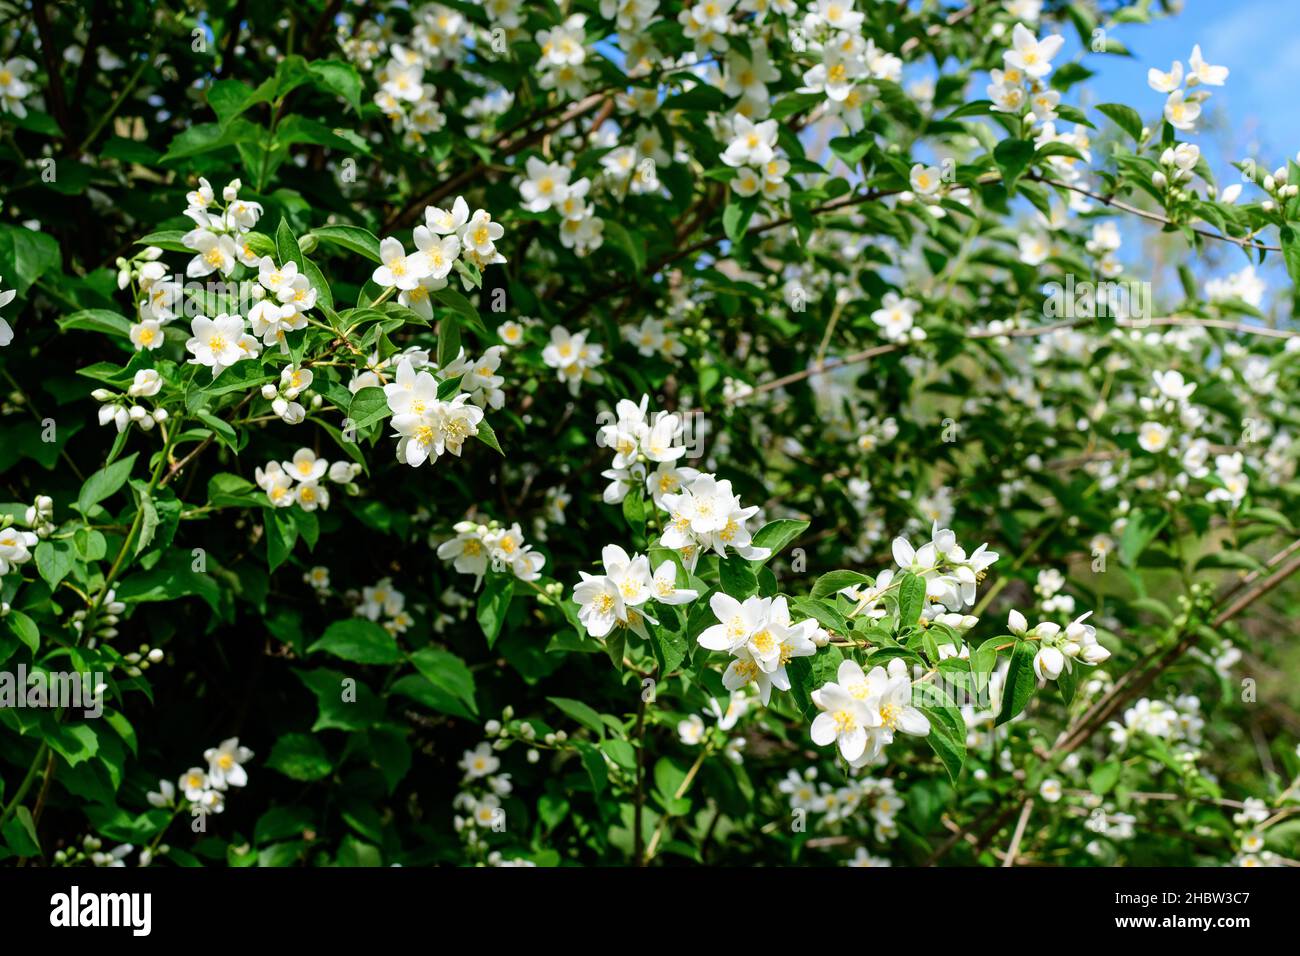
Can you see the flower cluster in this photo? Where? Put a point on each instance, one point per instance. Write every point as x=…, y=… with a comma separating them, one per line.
x=294, y=380
x=1022, y=81
x=220, y=237
x=706, y=515
x=426, y=426
x=476, y=545
x=547, y=187
x=617, y=597
x=385, y=603
x=300, y=481
x=204, y=790
x=481, y=790
x=848, y=61
x=1183, y=107
x=1059, y=646
x=122, y=409
x=860, y=712
x=564, y=55
x=409, y=103
x=638, y=438
x=449, y=239
x=1179, y=722
x=655, y=337
x=878, y=795
x=752, y=152
x=762, y=639
x=573, y=358
x=287, y=312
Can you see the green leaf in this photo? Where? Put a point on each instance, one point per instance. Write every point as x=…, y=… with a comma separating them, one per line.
x=1019, y=683
x=1125, y=117
x=488, y=437
x=281, y=532
x=594, y=762
x=736, y=216
x=1013, y=157
x=369, y=405
x=631, y=246
x=620, y=751
x=737, y=577
x=20, y=834
x=634, y=510
x=104, y=482
x=835, y=581
x=286, y=245
x=947, y=737
x=340, y=77
x=911, y=599
x=54, y=561
x=777, y=534
x=300, y=757
x=353, y=238
x=581, y=713
x=24, y=628
x=494, y=602
x=1140, y=530
x=360, y=640
x=447, y=672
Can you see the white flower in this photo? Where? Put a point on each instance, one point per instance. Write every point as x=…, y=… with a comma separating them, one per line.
x=665, y=586
x=1048, y=663
x=446, y=222
x=895, y=316
x=691, y=730
x=1166, y=82
x=1030, y=54
x=164, y=796
x=573, y=359
x=318, y=577
x=546, y=184
x=225, y=764
x=6, y=332
x=216, y=343
x=1200, y=72
x=146, y=383
x=480, y=234
x=926, y=180
x=305, y=466
x=1050, y=790
x=1182, y=113
x=467, y=551
x=600, y=606
x=215, y=253
x=146, y=335
x=847, y=712
x=1153, y=437
x=399, y=269
x=480, y=762
x=754, y=144
x=193, y=784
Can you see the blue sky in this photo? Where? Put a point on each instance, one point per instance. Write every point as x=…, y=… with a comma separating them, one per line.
x=1259, y=41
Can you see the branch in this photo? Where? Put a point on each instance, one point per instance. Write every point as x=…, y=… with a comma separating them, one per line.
x=1246, y=242
x=1014, y=848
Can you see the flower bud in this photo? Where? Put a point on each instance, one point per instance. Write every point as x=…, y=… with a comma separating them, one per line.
x=1048, y=663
